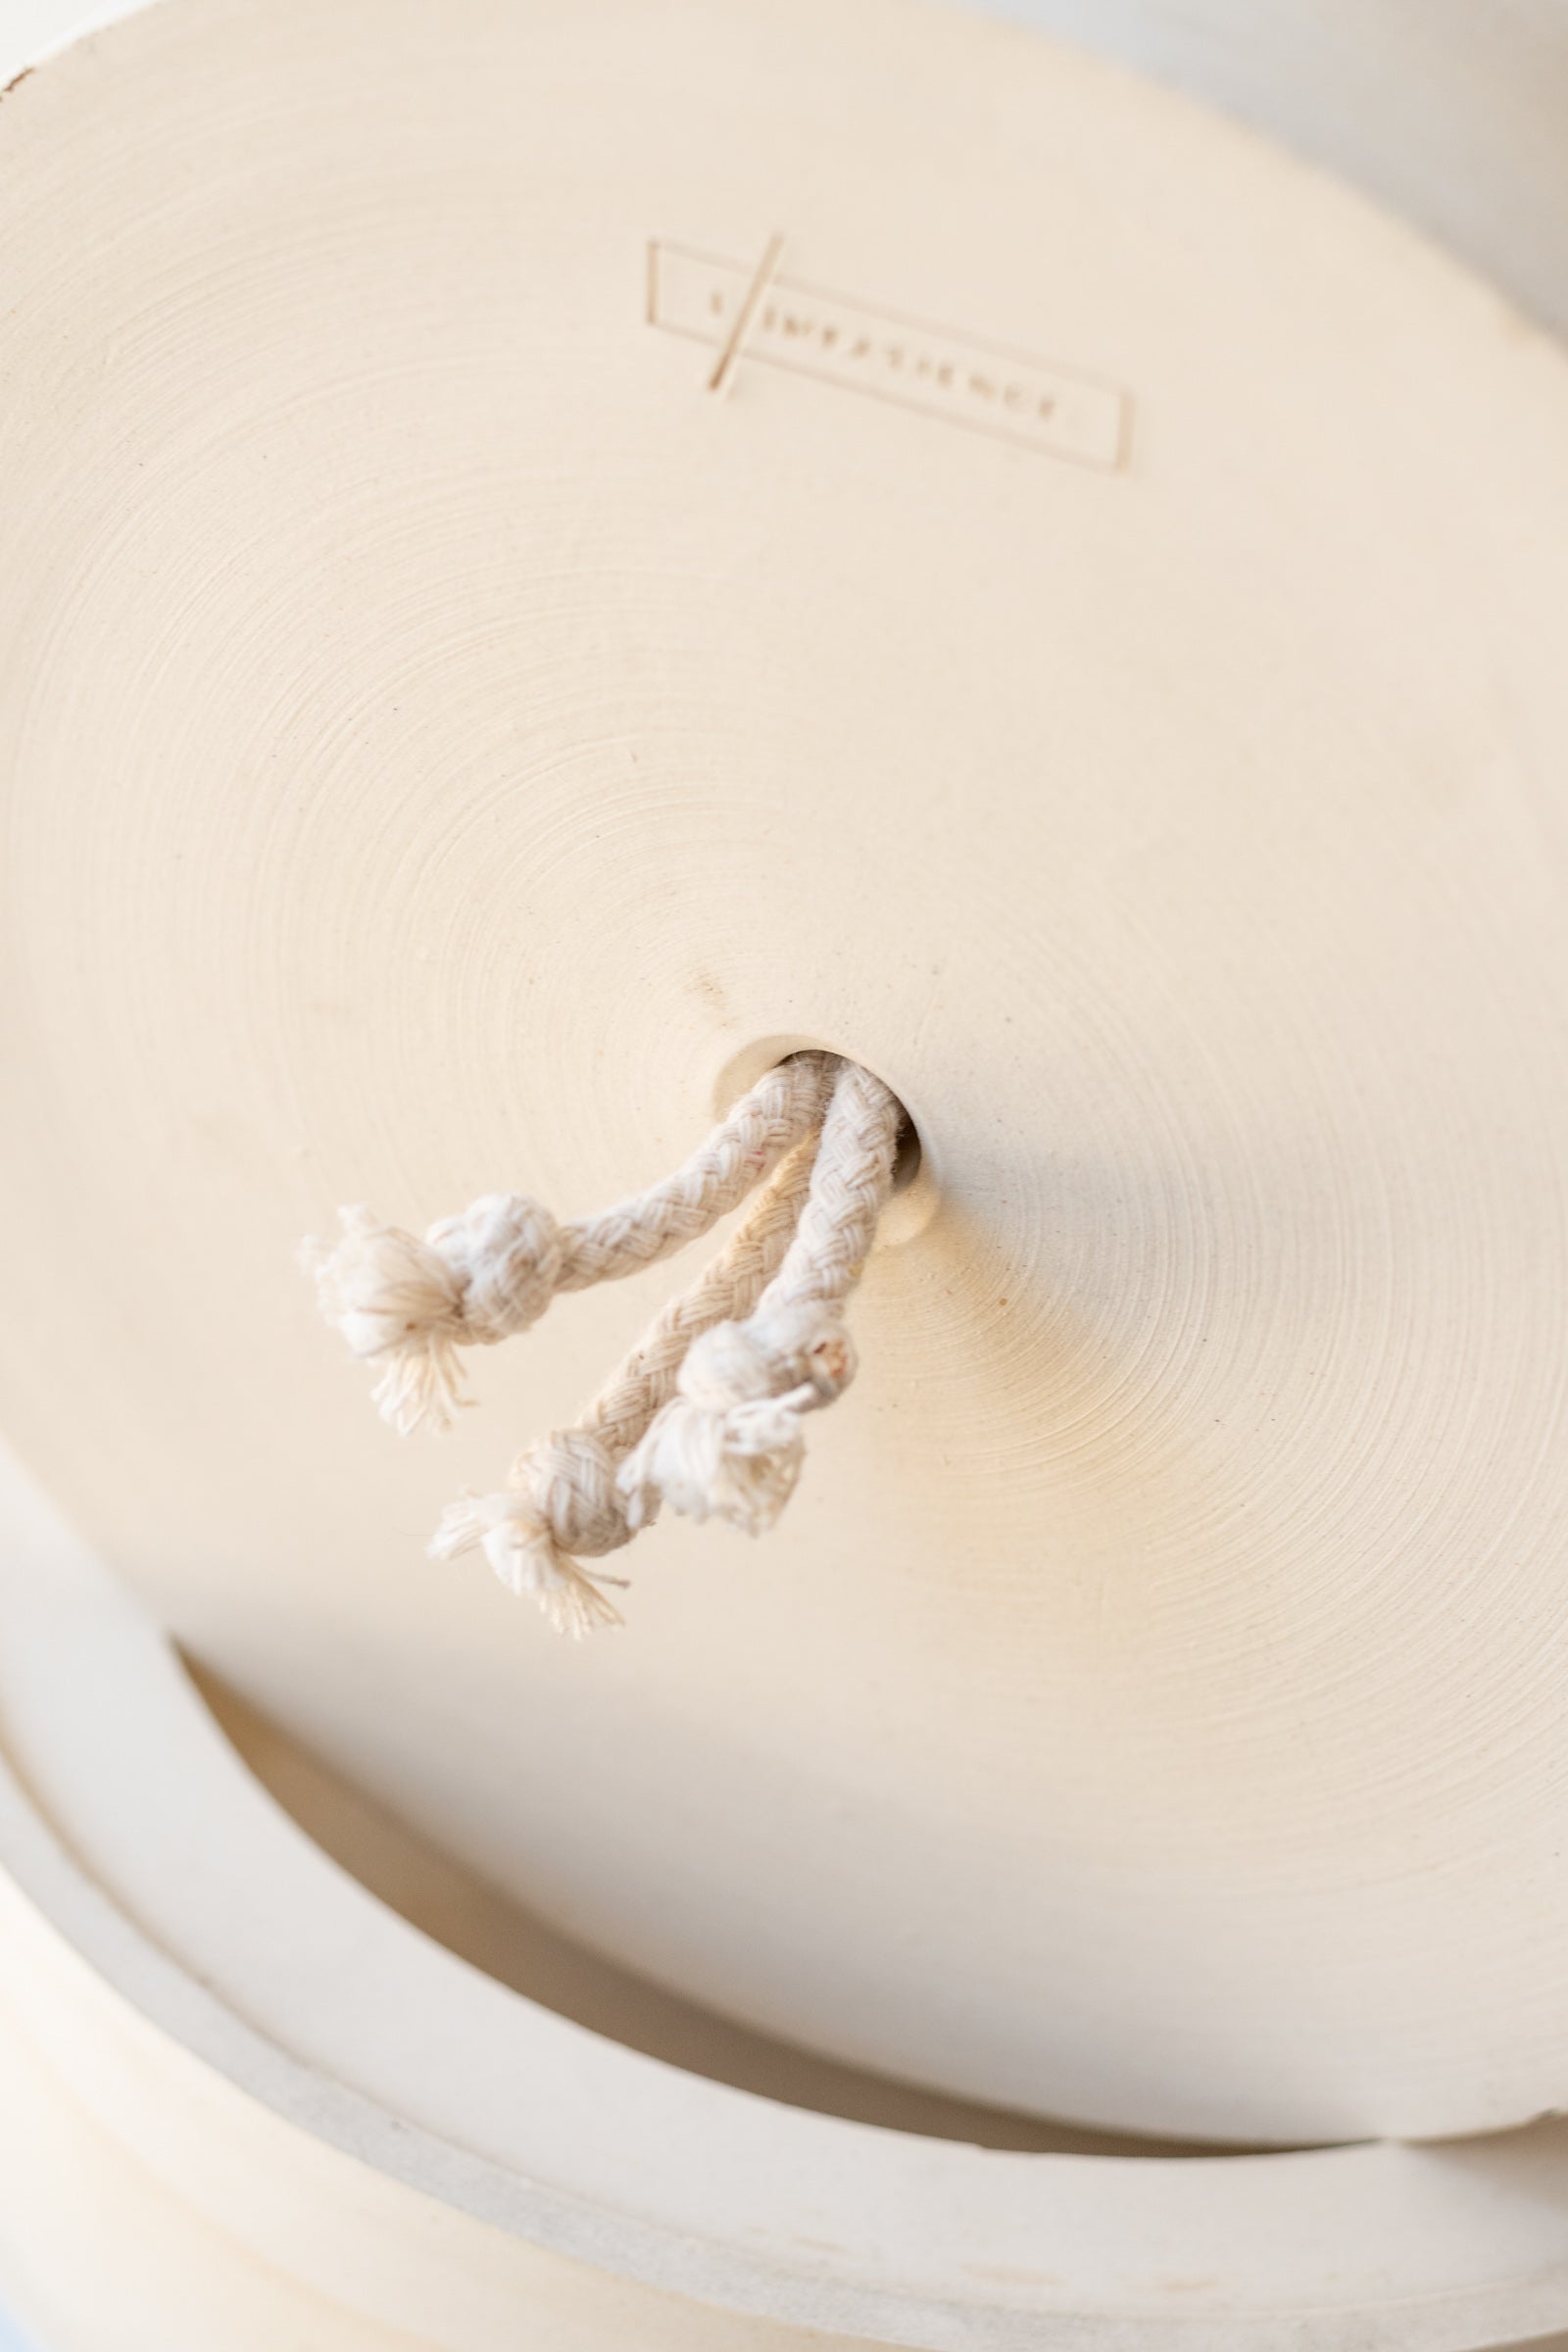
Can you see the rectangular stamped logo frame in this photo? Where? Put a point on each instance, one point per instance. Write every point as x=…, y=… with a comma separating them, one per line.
x=757, y=316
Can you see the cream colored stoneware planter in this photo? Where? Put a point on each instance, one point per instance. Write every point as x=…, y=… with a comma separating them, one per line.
x=1099, y=659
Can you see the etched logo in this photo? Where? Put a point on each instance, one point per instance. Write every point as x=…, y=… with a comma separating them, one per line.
x=757, y=317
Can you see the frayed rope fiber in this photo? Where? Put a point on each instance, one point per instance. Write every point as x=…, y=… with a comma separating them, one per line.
x=408, y=1304
x=706, y=1414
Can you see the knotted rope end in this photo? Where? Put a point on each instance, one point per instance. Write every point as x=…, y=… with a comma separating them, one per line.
x=409, y=1304
x=526, y=1558
x=729, y=1445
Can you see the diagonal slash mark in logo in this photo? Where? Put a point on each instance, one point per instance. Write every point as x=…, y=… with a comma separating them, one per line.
x=729, y=357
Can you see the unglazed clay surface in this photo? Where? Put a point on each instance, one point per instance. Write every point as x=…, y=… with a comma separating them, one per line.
x=442, y=738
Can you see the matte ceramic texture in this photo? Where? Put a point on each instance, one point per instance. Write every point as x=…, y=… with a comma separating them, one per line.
x=441, y=736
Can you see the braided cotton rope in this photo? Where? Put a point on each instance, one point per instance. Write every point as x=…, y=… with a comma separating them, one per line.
x=731, y=1442
x=563, y=1496
x=706, y=1413
x=478, y=1278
